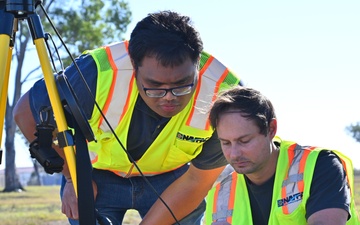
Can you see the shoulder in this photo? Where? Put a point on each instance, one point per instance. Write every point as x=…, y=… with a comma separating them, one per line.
x=328, y=159
x=211, y=156
x=84, y=62
x=328, y=167
x=329, y=179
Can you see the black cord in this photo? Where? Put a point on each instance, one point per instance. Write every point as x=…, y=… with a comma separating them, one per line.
x=48, y=35
x=103, y=115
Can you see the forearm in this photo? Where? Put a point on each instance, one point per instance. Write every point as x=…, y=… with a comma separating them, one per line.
x=331, y=216
x=182, y=197
x=181, y=204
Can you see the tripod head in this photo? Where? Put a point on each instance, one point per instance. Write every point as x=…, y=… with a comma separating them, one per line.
x=19, y=8
x=13, y=10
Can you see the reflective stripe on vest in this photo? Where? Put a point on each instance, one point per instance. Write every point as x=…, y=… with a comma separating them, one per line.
x=227, y=196
x=123, y=77
x=211, y=76
x=293, y=185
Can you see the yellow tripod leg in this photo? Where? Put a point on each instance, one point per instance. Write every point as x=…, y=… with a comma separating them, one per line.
x=5, y=61
x=57, y=106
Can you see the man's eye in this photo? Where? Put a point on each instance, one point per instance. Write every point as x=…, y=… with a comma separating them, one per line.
x=225, y=143
x=244, y=141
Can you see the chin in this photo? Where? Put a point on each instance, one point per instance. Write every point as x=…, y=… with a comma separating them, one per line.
x=167, y=114
x=242, y=170
x=170, y=112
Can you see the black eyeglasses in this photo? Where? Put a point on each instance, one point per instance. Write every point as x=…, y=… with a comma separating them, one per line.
x=161, y=92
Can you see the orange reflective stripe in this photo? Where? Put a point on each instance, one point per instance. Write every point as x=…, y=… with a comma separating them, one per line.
x=122, y=84
x=304, y=157
x=216, y=194
x=130, y=89
x=201, y=72
x=111, y=91
x=196, y=97
x=224, y=199
x=293, y=185
x=283, y=194
x=211, y=76
x=232, y=196
x=126, y=43
x=94, y=160
x=302, y=167
x=291, y=154
x=126, y=106
x=218, y=83
x=93, y=157
x=207, y=64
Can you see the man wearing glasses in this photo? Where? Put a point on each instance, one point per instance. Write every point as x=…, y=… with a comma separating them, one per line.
x=155, y=91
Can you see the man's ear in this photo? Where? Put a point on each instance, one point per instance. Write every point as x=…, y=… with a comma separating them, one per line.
x=273, y=127
x=133, y=63
x=134, y=67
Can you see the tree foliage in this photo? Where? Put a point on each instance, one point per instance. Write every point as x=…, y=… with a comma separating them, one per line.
x=354, y=131
x=88, y=24
x=82, y=25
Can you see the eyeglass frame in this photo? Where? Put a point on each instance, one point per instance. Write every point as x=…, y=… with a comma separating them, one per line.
x=168, y=90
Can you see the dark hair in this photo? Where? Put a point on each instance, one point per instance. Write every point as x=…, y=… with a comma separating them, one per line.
x=249, y=102
x=166, y=35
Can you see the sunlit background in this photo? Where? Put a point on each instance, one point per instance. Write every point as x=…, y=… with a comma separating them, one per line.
x=303, y=55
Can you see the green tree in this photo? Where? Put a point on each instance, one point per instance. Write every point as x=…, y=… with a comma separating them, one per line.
x=354, y=131
x=82, y=25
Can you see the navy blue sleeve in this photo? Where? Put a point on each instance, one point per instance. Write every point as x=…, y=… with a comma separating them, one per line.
x=211, y=156
x=38, y=93
x=329, y=187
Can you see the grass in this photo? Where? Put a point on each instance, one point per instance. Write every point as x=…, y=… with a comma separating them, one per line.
x=35, y=206
x=40, y=205
x=357, y=193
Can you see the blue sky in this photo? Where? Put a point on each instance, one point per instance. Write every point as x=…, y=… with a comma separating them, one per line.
x=303, y=55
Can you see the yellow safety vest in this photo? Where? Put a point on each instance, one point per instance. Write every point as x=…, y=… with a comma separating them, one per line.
x=116, y=93
x=229, y=201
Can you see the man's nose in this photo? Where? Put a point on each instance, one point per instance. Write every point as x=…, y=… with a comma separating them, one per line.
x=235, y=151
x=169, y=96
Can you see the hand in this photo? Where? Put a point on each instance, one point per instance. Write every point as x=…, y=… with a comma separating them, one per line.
x=69, y=200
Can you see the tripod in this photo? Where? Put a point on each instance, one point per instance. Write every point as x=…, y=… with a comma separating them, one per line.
x=11, y=11
x=9, y=14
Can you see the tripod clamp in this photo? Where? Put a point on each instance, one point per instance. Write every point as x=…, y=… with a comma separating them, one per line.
x=41, y=148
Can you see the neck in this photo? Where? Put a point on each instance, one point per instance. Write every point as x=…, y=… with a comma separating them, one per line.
x=268, y=170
